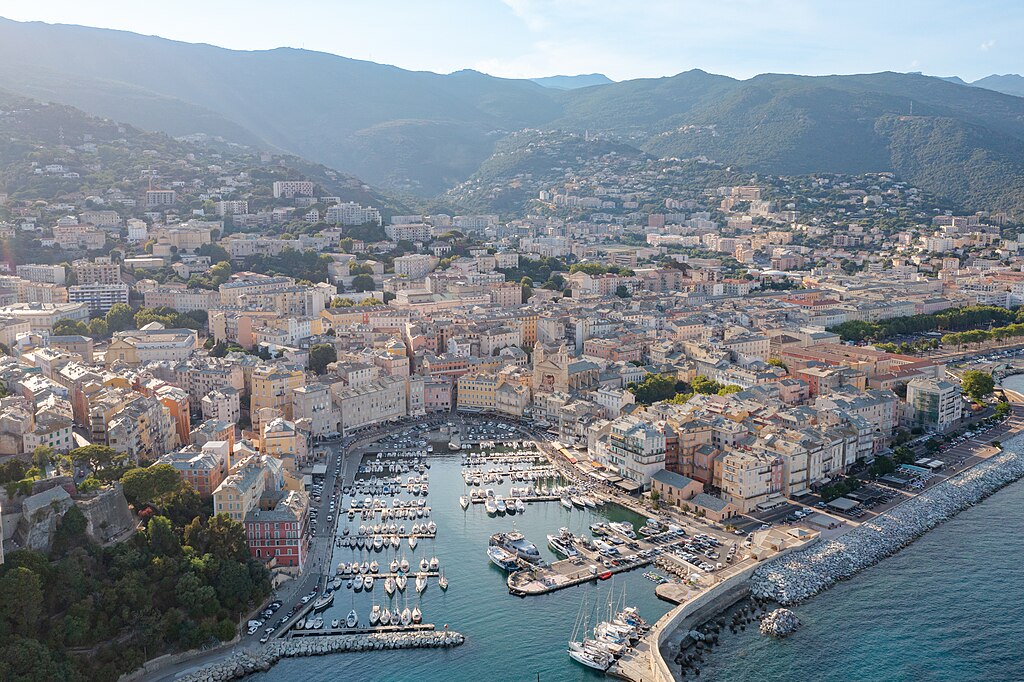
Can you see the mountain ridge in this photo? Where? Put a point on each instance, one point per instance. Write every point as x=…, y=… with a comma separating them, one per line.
x=418, y=133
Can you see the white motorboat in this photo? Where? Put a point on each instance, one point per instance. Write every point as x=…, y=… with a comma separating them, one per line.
x=424, y=564
x=374, y=566
x=567, y=503
x=395, y=541
x=520, y=507
x=335, y=623
x=357, y=583
x=378, y=543
x=431, y=528
x=464, y=501
x=491, y=506
x=368, y=582
x=352, y=619
x=394, y=565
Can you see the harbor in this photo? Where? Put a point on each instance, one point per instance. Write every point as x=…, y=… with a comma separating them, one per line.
x=477, y=602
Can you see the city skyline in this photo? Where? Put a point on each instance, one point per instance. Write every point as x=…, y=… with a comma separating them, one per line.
x=529, y=39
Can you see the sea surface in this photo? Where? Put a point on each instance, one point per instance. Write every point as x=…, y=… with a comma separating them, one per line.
x=948, y=607
x=507, y=638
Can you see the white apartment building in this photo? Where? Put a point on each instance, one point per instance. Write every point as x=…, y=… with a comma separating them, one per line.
x=934, y=403
x=371, y=403
x=415, y=265
x=313, y=402
x=352, y=213
x=223, y=404
x=98, y=297
x=47, y=274
x=289, y=189
x=636, y=449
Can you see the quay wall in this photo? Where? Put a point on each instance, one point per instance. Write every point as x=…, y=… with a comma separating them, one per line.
x=803, y=574
x=703, y=608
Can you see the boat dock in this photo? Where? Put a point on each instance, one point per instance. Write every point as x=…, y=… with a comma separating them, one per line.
x=535, y=580
x=329, y=631
x=524, y=498
x=385, y=576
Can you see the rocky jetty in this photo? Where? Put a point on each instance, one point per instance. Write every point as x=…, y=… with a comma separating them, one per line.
x=779, y=623
x=242, y=663
x=804, y=573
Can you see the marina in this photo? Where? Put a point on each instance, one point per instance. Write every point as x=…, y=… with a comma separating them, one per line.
x=477, y=601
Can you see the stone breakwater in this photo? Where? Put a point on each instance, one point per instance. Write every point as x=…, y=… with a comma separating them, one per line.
x=243, y=663
x=805, y=573
x=779, y=623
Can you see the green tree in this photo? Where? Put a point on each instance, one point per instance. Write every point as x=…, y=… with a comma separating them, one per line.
x=163, y=541
x=701, y=384
x=1002, y=410
x=654, y=388
x=363, y=283
x=22, y=605
x=977, y=384
x=621, y=291
x=775, y=362
x=321, y=355
x=98, y=327
x=70, y=328
x=150, y=484
x=96, y=457
x=119, y=318
x=42, y=457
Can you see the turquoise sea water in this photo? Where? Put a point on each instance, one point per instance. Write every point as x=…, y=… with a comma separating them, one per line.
x=949, y=607
x=508, y=638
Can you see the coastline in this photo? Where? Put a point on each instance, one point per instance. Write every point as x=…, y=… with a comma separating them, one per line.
x=804, y=572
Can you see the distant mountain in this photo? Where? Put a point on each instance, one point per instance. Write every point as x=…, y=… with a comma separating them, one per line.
x=1010, y=83
x=421, y=134
x=584, y=80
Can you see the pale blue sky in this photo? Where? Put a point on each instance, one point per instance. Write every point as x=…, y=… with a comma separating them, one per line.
x=621, y=38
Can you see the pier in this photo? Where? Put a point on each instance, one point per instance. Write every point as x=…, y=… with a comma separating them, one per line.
x=380, y=629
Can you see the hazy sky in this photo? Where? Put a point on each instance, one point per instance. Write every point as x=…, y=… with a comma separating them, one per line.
x=620, y=38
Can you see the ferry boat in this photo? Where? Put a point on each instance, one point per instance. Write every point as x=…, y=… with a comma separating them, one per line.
x=561, y=544
x=516, y=544
x=502, y=559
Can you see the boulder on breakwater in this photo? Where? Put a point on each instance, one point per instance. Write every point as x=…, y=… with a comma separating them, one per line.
x=242, y=663
x=804, y=573
x=779, y=623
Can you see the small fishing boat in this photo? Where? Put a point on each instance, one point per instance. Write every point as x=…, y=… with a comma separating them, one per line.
x=335, y=623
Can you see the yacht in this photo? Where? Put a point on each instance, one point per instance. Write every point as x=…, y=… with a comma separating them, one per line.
x=335, y=624
x=442, y=582
x=431, y=528
x=412, y=542
x=417, y=615
x=385, y=617
x=424, y=564
x=323, y=602
x=566, y=502
x=577, y=501
x=352, y=619
x=624, y=528
x=592, y=657
x=406, y=616
x=403, y=565
x=421, y=582
x=516, y=543
x=375, y=615
x=520, y=507
x=464, y=501
x=561, y=544
x=401, y=581
x=389, y=585
x=500, y=505
x=502, y=558
x=433, y=563
x=368, y=582
x=491, y=506
x=394, y=565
